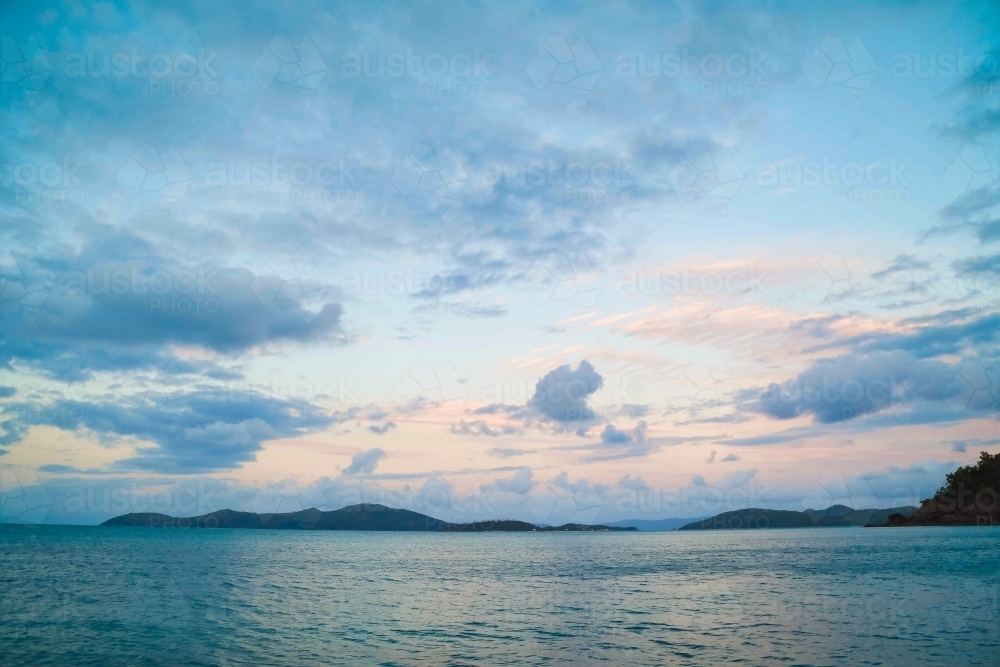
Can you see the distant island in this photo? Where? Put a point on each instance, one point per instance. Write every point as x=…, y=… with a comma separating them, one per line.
x=968, y=498
x=836, y=516
x=651, y=525
x=354, y=517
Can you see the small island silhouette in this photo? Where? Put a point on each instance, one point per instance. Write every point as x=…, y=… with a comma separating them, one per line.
x=968, y=498
x=836, y=516
x=364, y=516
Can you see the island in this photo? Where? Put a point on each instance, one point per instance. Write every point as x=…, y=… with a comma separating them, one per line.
x=836, y=516
x=365, y=516
x=968, y=498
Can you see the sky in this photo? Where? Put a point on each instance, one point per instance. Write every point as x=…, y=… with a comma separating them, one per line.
x=555, y=262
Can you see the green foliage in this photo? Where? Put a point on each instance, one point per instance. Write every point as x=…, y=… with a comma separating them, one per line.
x=969, y=487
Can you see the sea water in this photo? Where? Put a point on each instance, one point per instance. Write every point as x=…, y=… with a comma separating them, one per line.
x=137, y=596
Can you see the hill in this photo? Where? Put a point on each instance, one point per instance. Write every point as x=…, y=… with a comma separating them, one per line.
x=651, y=525
x=968, y=498
x=353, y=517
x=837, y=516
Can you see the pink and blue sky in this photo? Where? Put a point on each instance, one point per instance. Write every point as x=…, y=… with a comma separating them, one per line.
x=554, y=262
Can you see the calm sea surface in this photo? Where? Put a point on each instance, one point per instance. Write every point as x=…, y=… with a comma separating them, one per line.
x=110, y=596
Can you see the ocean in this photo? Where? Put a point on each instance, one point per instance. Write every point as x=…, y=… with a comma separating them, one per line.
x=134, y=596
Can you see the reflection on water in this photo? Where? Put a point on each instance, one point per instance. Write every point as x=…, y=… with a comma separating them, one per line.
x=810, y=597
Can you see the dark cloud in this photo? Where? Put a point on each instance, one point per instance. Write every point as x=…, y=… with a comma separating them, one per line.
x=976, y=444
x=470, y=310
x=561, y=395
x=480, y=427
x=508, y=452
x=953, y=332
x=634, y=410
x=122, y=317
x=620, y=444
x=979, y=116
x=902, y=263
x=974, y=265
x=474, y=277
x=382, y=429
x=972, y=205
x=365, y=462
x=201, y=431
x=495, y=408
x=853, y=385
x=58, y=469
x=988, y=231
x=615, y=436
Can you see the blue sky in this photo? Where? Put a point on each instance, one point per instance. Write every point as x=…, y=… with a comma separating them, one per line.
x=582, y=262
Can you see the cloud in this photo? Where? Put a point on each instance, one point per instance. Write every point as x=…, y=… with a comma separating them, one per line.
x=977, y=444
x=902, y=263
x=730, y=458
x=494, y=408
x=508, y=452
x=633, y=483
x=480, y=427
x=711, y=458
x=895, y=486
x=124, y=316
x=733, y=480
x=853, y=385
x=200, y=431
x=978, y=116
x=949, y=332
x=456, y=282
x=227, y=436
x=365, y=462
x=619, y=444
x=382, y=429
x=989, y=231
x=614, y=436
x=7, y=392
x=977, y=265
x=561, y=395
x=520, y=483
